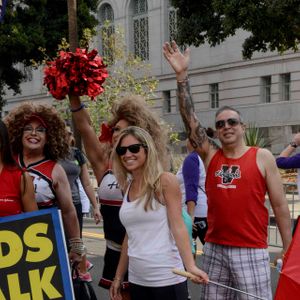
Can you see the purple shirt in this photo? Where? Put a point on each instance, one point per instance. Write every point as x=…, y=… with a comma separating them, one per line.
x=191, y=174
x=292, y=162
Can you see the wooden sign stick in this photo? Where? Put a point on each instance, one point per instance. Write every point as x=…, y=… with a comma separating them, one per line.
x=191, y=276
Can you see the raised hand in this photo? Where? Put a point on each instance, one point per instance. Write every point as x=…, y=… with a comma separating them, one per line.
x=177, y=60
x=180, y=62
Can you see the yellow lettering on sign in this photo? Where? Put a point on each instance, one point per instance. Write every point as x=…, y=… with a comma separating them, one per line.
x=32, y=240
x=15, y=248
x=14, y=288
x=38, y=284
x=1, y=295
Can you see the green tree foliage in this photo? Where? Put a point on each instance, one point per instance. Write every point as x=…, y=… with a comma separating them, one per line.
x=272, y=24
x=29, y=25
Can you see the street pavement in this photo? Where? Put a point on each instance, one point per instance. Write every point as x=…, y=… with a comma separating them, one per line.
x=94, y=240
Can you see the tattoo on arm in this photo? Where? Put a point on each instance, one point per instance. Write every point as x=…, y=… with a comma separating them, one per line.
x=196, y=133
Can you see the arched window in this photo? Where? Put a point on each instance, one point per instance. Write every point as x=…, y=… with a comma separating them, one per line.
x=106, y=16
x=172, y=29
x=140, y=29
x=106, y=13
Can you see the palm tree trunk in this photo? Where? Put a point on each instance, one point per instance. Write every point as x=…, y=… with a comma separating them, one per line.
x=73, y=40
x=72, y=21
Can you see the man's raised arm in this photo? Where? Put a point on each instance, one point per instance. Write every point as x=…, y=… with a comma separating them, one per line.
x=196, y=133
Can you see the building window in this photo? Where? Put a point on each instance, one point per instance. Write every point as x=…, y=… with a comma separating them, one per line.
x=214, y=95
x=266, y=83
x=107, y=29
x=140, y=29
x=173, y=25
x=295, y=129
x=106, y=13
x=285, y=86
x=167, y=101
x=172, y=22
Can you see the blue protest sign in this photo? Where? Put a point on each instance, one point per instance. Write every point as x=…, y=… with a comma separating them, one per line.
x=33, y=257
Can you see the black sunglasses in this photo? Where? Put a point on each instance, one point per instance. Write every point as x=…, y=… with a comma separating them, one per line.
x=231, y=122
x=134, y=148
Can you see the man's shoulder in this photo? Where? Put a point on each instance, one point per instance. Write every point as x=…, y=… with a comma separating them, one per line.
x=265, y=153
x=265, y=160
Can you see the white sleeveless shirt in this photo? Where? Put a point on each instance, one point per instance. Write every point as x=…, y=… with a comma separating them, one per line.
x=152, y=250
x=109, y=191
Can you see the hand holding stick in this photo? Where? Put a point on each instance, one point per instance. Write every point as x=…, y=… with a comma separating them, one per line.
x=191, y=276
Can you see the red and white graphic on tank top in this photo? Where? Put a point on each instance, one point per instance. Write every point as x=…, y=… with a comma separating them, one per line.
x=228, y=174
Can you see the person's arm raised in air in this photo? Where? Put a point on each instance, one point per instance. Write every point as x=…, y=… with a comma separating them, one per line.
x=94, y=150
x=267, y=165
x=172, y=199
x=27, y=193
x=89, y=190
x=65, y=203
x=196, y=133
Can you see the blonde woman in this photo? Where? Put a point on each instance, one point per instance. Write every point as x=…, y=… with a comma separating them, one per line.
x=156, y=239
x=131, y=110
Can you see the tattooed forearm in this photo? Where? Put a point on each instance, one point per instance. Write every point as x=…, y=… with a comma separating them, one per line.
x=196, y=133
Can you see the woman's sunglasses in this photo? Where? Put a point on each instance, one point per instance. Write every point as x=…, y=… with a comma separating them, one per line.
x=231, y=122
x=134, y=148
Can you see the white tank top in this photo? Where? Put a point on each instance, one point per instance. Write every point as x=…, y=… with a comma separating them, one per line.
x=109, y=191
x=151, y=247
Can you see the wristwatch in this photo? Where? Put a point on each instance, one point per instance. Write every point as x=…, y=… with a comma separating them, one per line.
x=293, y=144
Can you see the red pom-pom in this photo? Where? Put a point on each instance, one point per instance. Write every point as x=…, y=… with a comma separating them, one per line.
x=80, y=73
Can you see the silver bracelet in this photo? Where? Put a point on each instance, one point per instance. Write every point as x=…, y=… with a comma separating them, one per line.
x=77, y=246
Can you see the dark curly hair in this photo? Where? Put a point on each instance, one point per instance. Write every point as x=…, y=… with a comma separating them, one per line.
x=136, y=112
x=56, y=146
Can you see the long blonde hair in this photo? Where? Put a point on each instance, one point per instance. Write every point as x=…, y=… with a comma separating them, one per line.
x=152, y=169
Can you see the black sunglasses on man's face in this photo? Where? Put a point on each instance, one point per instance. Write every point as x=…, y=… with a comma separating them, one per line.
x=231, y=122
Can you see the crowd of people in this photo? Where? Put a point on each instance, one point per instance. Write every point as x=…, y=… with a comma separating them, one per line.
x=151, y=216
